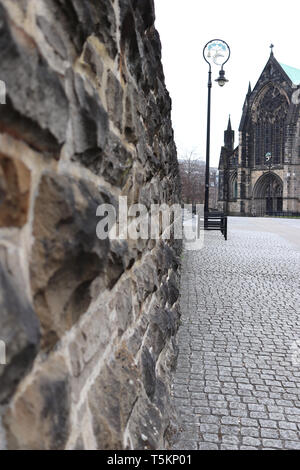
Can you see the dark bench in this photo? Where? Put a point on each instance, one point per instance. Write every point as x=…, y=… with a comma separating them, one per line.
x=216, y=221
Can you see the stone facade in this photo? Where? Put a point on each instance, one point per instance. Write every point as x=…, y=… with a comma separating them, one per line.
x=262, y=174
x=88, y=324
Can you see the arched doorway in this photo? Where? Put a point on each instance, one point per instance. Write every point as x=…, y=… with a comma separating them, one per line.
x=233, y=186
x=267, y=194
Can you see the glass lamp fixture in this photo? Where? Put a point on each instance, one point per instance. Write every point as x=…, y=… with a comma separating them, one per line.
x=221, y=80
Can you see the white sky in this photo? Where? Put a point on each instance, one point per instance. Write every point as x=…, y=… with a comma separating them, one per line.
x=185, y=26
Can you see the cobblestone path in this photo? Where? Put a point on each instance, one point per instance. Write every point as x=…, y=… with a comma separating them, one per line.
x=237, y=383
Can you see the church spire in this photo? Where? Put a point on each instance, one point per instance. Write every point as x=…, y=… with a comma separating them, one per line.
x=249, y=89
x=246, y=102
x=272, y=47
x=229, y=137
x=229, y=128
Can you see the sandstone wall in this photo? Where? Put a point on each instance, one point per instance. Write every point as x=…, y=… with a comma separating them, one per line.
x=89, y=325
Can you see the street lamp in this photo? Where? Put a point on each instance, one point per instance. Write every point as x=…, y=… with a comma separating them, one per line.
x=268, y=161
x=215, y=52
x=221, y=80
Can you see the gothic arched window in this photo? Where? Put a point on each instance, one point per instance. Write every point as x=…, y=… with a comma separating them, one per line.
x=268, y=119
x=233, y=186
x=235, y=189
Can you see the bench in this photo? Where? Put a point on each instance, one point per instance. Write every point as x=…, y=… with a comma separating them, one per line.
x=216, y=221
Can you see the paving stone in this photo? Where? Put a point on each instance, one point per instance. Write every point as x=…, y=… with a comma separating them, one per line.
x=249, y=422
x=250, y=432
x=186, y=445
x=229, y=447
x=209, y=428
x=274, y=443
x=230, y=440
x=291, y=445
x=286, y=425
x=251, y=441
x=220, y=412
x=209, y=419
x=256, y=407
x=269, y=433
x=248, y=448
x=239, y=413
x=235, y=376
x=230, y=420
x=207, y=446
x=259, y=414
x=288, y=435
x=266, y=423
x=211, y=438
x=276, y=416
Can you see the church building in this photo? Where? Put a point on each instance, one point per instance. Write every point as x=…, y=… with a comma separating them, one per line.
x=262, y=174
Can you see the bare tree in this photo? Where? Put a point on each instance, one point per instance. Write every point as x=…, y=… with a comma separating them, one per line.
x=192, y=171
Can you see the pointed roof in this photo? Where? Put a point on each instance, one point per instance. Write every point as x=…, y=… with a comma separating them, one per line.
x=273, y=63
x=289, y=74
x=229, y=128
x=292, y=73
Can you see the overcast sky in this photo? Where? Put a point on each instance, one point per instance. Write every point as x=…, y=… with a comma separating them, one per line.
x=185, y=26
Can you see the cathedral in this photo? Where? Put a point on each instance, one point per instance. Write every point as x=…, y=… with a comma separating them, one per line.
x=261, y=175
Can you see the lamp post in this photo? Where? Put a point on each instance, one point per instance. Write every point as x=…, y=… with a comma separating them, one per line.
x=215, y=52
x=268, y=160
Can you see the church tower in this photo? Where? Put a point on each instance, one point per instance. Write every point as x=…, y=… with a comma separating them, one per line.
x=229, y=137
x=262, y=175
x=227, y=176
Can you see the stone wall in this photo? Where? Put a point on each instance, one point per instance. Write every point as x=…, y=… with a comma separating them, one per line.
x=88, y=324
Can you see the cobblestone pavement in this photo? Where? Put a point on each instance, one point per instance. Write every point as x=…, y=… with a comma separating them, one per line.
x=237, y=383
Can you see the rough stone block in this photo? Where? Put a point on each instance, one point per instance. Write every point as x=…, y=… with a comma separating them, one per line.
x=15, y=180
x=66, y=254
x=19, y=330
x=112, y=397
x=38, y=419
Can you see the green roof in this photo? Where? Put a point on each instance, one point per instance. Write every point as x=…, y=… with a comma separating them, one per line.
x=293, y=74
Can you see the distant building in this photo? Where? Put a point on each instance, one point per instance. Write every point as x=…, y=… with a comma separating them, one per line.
x=262, y=174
